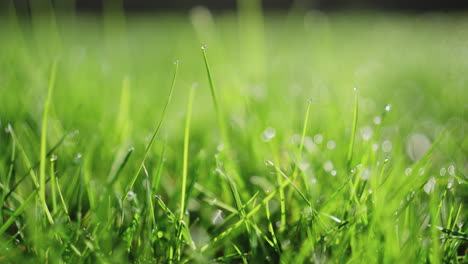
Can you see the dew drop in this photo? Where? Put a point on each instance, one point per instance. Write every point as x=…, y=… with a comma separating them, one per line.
x=417, y=145
x=309, y=100
x=450, y=183
x=377, y=120
x=366, y=133
x=375, y=147
x=421, y=171
x=387, y=146
x=131, y=195
x=333, y=173
x=310, y=145
x=365, y=175
x=318, y=139
x=429, y=187
x=286, y=243
x=268, y=134
x=8, y=129
x=212, y=202
x=54, y=157
x=443, y=171
x=176, y=62
x=278, y=224
x=328, y=166
x=331, y=144
x=388, y=107
x=408, y=171
x=204, y=47
x=303, y=166
x=451, y=170
x=220, y=147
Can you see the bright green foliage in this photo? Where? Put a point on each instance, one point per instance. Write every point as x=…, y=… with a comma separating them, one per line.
x=96, y=131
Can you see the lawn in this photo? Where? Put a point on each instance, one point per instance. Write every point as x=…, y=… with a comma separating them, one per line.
x=297, y=137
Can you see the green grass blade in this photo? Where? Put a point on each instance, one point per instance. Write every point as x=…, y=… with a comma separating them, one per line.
x=43, y=157
x=17, y=212
x=353, y=131
x=185, y=168
x=156, y=131
x=185, y=155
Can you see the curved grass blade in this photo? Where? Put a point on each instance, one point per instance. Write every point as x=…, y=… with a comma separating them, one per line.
x=43, y=153
x=155, y=133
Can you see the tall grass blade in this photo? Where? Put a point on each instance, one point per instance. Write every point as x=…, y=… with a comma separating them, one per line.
x=43, y=158
x=155, y=133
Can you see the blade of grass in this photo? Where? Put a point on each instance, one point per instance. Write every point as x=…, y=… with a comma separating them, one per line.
x=31, y=168
x=155, y=133
x=221, y=123
x=353, y=131
x=43, y=159
x=301, y=146
x=185, y=167
x=17, y=212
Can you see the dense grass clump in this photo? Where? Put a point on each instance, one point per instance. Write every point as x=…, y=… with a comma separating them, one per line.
x=255, y=148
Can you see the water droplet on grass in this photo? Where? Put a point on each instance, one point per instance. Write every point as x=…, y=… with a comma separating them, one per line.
x=450, y=183
x=54, y=157
x=217, y=218
x=387, y=146
x=212, y=202
x=388, y=107
x=375, y=147
x=377, y=120
x=318, y=139
x=365, y=175
x=430, y=185
x=417, y=145
x=204, y=47
x=310, y=145
x=451, y=170
x=8, y=129
x=268, y=134
x=443, y=171
x=366, y=133
x=131, y=195
x=328, y=166
x=331, y=144
x=176, y=62
x=333, y=173
x=408, y=171
x=303, y=166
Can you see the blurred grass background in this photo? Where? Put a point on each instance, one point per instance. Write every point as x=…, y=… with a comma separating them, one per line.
x=113, y=77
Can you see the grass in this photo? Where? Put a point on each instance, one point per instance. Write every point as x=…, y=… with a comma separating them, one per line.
x=108, y=156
